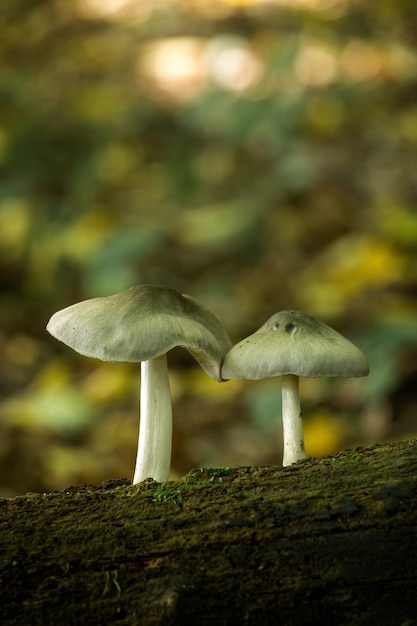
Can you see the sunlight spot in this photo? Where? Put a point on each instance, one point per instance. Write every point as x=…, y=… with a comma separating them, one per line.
x=104, y=8
x=315, y=66
x=232, y=64
x=176, y=66
x=359, y=61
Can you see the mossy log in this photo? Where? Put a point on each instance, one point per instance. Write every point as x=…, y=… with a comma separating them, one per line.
x=325, y=541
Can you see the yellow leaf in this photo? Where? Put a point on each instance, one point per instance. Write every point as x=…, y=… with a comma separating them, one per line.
x=321, y=434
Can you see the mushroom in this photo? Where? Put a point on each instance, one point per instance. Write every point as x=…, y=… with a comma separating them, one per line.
x=141, y=325
x=292, y=344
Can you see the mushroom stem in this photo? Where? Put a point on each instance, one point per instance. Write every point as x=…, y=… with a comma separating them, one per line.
x=155, y=431
x=292, y=424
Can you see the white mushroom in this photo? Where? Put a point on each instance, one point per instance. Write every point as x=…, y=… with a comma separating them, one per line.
x=141, y=325
x=292, y=344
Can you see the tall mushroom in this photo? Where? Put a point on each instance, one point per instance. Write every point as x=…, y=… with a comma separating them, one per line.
x=292, y=344
x=141, y=325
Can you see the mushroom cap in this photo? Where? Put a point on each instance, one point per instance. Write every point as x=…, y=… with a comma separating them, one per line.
x=291, y=342
x=140, y=324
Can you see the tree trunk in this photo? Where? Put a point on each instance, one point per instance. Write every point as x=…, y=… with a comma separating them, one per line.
x=325, y=541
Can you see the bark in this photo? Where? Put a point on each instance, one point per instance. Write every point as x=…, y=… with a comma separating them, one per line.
x=324, y=541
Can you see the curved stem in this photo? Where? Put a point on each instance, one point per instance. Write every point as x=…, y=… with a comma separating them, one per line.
x=155, y=431
x=292, y=421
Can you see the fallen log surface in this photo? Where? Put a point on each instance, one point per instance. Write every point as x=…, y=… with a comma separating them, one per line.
x=325, y=541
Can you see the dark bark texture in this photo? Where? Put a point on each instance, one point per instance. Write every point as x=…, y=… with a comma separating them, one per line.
x=326, y=541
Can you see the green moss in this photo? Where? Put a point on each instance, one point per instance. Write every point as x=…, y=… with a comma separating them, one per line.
x=174, y=492
x=205, y=476
x=341, y=459
x=111, y=580
x=168, y=492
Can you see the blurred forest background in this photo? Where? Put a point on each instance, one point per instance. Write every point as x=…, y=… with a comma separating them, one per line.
x=257, y=155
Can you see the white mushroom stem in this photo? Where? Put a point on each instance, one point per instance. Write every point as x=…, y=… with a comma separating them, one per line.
x=155, y=431
x=292, y=423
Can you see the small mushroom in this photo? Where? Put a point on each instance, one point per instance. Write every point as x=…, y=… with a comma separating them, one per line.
x=141, y=325
x=292, y=344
